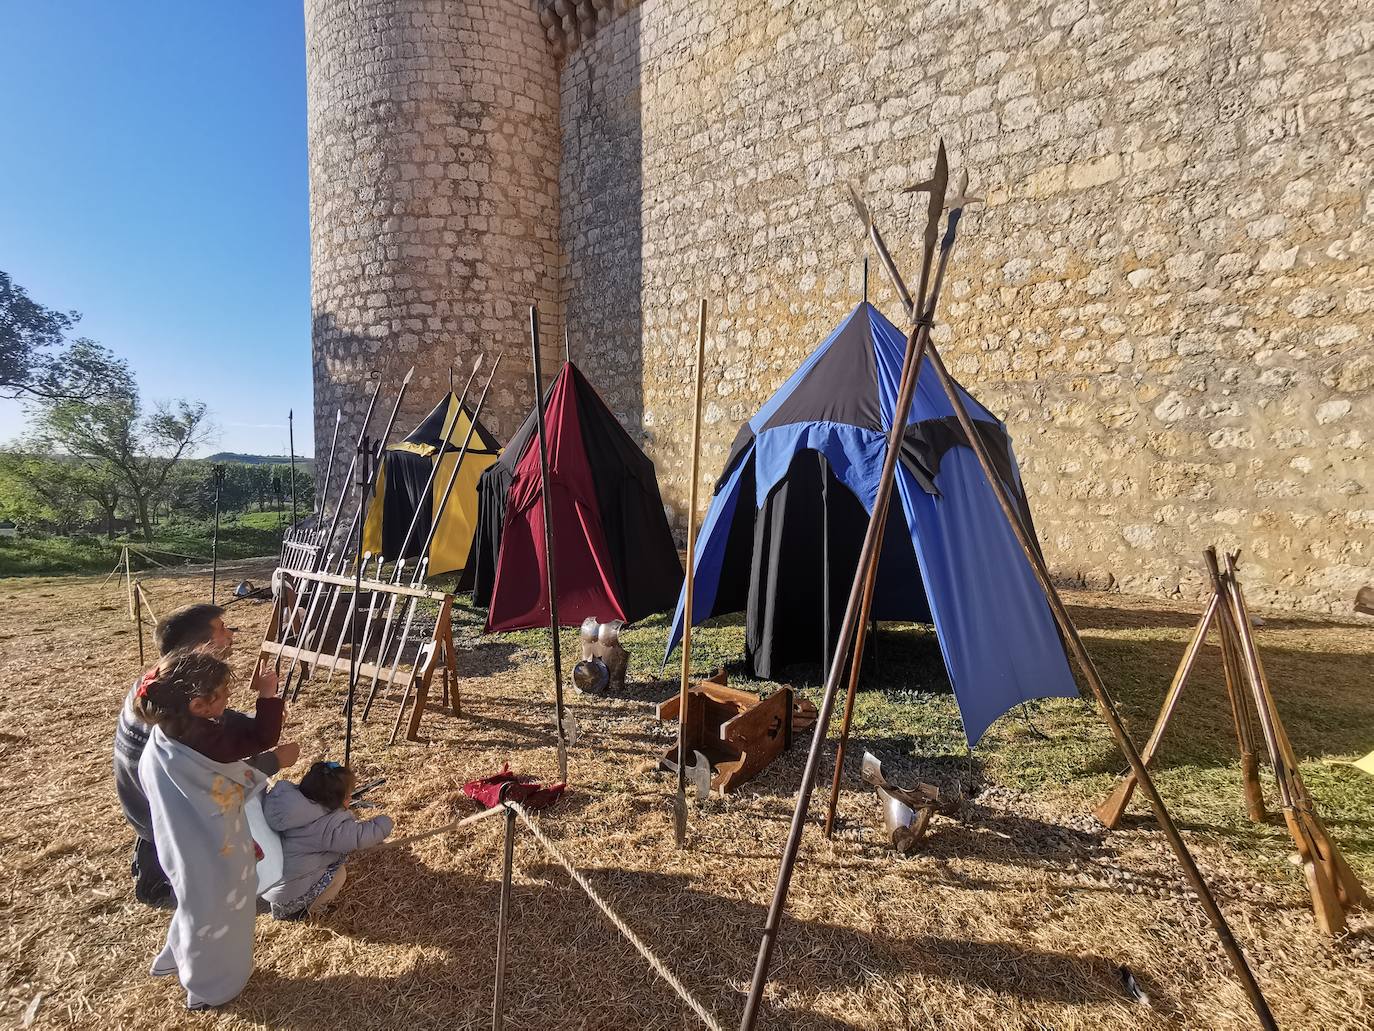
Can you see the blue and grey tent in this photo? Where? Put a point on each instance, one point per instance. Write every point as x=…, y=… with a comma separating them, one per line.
x=782, y=537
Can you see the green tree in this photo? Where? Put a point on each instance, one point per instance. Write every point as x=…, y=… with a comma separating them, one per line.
x=34, y=358
x=112, y=435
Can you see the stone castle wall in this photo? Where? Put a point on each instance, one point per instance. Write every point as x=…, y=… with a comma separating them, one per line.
x=1168, y=295
x=434, y=158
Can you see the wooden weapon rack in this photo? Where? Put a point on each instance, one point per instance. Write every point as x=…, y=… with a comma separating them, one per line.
x=435, y=654
x=1333, y=885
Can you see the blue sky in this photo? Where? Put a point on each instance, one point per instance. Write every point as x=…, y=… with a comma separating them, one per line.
x=153, y=177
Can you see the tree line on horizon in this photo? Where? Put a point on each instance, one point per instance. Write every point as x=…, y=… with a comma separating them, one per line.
x=96, y=457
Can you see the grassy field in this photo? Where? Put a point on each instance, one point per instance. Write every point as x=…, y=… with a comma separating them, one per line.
x=1018, y=911
x=247, y=535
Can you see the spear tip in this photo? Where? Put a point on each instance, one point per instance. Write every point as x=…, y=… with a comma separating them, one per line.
x=338, y=416
x=409, y=372
x=859, y=206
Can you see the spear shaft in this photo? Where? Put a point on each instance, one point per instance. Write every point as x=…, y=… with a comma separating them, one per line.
x=680, y=802
x=545, y=502
x=421, y=571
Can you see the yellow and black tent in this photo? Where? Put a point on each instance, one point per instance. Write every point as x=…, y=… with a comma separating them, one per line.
x=401, y=490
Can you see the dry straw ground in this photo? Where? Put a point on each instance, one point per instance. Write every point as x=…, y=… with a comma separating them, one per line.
x=1017, y=913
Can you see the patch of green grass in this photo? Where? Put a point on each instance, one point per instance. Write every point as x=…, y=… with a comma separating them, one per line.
x=175, y=543
x=1062, y=749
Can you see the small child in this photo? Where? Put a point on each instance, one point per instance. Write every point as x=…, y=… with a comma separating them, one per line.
x=203, y=843
x=318, y=830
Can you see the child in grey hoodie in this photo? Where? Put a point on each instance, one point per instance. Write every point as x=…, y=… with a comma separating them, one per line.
x=318, y=830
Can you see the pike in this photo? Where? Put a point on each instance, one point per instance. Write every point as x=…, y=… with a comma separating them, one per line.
x=346, y=628
x=422, y=570
x=291, y=436
x=544, y=501
x=680, y=802
x=322, y=496
x=1074, y=646
x=916, y=342
x=935, y=186
x=322, y=556
x=398, y=571
x=370, y=476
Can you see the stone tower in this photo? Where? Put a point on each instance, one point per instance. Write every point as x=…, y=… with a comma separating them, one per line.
x=434, y=152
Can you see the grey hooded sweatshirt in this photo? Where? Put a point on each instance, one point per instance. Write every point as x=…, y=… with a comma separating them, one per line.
x=313, y=838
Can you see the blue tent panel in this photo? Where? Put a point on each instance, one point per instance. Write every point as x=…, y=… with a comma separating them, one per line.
x=996, y=633
x=709, y=554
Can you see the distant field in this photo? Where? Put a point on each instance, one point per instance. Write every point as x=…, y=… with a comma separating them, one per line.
x=248, y=535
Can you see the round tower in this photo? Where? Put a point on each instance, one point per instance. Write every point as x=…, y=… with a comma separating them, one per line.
x=433, y=131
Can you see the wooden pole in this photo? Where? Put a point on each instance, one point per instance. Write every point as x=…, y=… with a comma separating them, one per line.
x=1104, y=701
x=916, y=344
x=138, y=620
x=1240, y=715
x=545, y=502
x=917, y=341
x=855, y=667
x=1109, y=812
x=498, y=1006
x=680, y=802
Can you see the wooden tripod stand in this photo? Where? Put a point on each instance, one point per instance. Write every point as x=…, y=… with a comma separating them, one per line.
x=1334, y=886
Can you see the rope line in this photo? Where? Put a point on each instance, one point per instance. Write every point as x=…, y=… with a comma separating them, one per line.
x=659, y=967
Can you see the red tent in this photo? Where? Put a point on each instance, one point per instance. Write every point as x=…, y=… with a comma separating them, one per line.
x=614, y=551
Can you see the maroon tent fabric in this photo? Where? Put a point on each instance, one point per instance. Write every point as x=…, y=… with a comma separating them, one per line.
x=520, y=598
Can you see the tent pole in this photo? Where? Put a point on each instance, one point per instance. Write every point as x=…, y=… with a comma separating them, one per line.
x=680, y=802
x=544, y=501
x=1104, y=701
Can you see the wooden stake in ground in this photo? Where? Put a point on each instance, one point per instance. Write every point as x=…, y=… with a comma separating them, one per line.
x=217, y=474
x=680, y=802
x=545, y=501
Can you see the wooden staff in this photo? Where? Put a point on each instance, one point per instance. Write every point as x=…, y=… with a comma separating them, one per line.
x=856, y=664
x=875, y=236
x=1109, y=812
x=364, y=482
x=545, y=502
x=680, y=803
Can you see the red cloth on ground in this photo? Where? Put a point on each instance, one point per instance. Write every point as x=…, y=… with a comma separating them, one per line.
x=507, y=787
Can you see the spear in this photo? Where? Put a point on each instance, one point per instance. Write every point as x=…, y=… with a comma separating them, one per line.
x=321, y=556
x=291, y=436
x=916, y=342
x=356, y=524
x=545, y=500
x=396, y=572
x=680, y=803
x=421, y=571
x=322, y=495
